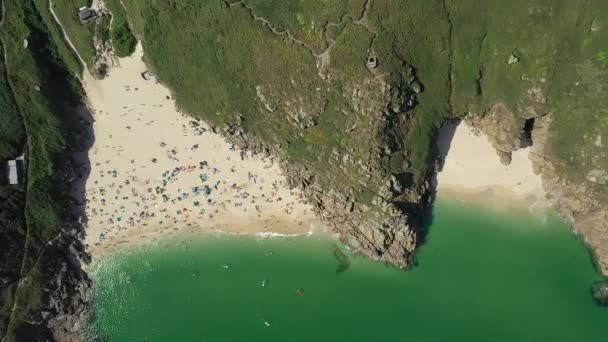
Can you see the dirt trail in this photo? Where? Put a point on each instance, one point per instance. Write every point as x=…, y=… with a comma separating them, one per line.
x=67, y=38
x=323, y=56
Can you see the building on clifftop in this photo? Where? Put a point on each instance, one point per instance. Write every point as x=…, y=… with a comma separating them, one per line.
x=15, y=171
x=86, y=14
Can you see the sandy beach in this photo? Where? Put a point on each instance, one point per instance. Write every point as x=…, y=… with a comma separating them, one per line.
x=155, y=171
x=472, y=171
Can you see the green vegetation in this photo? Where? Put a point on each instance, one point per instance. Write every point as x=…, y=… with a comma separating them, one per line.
x=457, y=50
x=123, y=40
x=85, y=36
x=80, y=35
x=67, y=54
x=417, y=33
x=561, y=47
x=12, y=134
x=39, y=95
x=234, y=69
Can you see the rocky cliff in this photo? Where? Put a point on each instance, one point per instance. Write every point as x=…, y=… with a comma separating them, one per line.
x=575, y=200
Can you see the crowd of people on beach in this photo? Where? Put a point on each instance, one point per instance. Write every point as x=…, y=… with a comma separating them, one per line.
x=124, y=200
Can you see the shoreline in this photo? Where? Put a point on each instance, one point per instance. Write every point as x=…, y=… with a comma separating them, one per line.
x=140, y=239
x=494, y=198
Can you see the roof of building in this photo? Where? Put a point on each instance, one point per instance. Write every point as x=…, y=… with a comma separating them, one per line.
x=13, y=172
x=86, y=13
x=372, y=62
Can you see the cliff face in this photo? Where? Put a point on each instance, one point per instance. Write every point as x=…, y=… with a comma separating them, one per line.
x=355, y=189
x=575, y=200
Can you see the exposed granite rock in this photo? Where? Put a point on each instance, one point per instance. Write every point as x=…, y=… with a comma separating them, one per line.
x=381, y=231
x=574, y=200
x=505, y=157
x=302, y=111
x=385, y=227
x=502, y=128
x=69, y=293
x=599, y=290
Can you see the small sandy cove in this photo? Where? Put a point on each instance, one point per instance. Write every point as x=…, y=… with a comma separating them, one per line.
x=155, y=171
x=473, y=172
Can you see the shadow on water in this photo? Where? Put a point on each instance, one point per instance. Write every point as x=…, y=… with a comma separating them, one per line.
x=443, y=144
x=343, y=260
x=423, y=233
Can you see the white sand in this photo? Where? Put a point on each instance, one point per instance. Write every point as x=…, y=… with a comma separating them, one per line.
x=472, y=171
x=124, y=191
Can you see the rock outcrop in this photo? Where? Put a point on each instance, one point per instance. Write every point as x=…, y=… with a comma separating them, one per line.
x=377, y=212
x=575, y=201
x=69, y=293
x=504, y=129
x=382, y=231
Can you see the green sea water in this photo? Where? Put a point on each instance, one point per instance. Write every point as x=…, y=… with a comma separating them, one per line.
x=481, y=276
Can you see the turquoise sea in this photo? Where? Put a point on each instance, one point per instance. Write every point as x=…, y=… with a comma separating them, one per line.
x=481, y=276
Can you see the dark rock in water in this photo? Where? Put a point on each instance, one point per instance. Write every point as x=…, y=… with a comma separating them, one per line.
x=343, y=261
x=599, y=291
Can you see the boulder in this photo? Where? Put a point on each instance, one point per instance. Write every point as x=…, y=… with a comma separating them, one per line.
x=599, y=290
x=512, y=59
